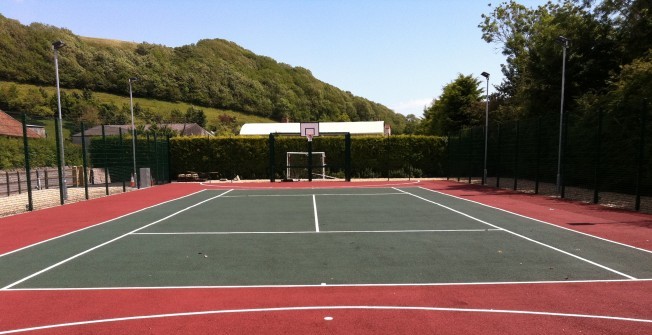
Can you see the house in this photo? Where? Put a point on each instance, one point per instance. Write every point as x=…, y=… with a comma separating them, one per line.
x=183, y=129
x=10, y=127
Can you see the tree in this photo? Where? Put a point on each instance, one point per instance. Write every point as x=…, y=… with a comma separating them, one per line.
x=602, y=41
x=458, y=106
x=197, y=116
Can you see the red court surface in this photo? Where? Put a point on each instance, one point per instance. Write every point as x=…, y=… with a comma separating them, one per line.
x=617, y=307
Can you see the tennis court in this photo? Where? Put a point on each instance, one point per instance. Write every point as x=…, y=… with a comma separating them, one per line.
x=404, y=237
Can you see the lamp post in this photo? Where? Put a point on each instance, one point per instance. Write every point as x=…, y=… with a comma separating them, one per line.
x=486, y=129
x=62, y=163
x=565, y=43
x=133, y=130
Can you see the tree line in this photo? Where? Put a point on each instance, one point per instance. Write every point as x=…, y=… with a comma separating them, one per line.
x=608, y=65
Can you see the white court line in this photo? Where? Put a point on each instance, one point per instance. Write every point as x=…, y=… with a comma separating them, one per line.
x=537, y=220
x=110, y=241
x=330, y=308
x=307, y=195
x=97, y=224
x=323, y=232
x=322, y=285
x=314, y=206
x=523, y=237
x=250, y=186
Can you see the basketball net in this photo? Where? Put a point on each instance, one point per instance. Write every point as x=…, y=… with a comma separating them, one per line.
x=309, y=136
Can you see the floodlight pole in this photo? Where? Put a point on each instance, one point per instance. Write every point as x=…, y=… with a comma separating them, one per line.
x=565, y=42
x=133, y=130
x=62, y=180
x=486, y=129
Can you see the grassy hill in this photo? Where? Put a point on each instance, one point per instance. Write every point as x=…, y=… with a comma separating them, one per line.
x=24, y=92
x=212, y=73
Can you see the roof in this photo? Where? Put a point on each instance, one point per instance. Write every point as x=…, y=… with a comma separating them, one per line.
x=184, y=129
x=325, y=128
x=14, y=128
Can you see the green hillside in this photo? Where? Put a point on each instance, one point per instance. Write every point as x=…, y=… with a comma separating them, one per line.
x=40, y=103
x=211, y=73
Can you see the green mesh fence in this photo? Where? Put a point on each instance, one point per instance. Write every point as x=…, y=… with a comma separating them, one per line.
x=605, y=157
x=32, y=175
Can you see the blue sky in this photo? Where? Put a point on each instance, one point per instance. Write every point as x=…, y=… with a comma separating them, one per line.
x=399, y=53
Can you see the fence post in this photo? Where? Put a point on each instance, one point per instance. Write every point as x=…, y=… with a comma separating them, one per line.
x=8, y=186
x=30, y=204
x=124, y=181
x=448, y=157
x=641, y=156
x=459, y=154
x=516, y=158
x=84, y=160
x=59, y=163
x=598, y=149
x=347, y=156
x=538, y=160
x=106, y=162
x=158, y=177
x=469, y=145
x=498, y=151
x=562, y=163
x=169, y=159
x=20, y=187
x=272, y=157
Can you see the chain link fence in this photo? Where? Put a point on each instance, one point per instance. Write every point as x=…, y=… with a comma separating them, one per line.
x=96, y=166
x=605, y=158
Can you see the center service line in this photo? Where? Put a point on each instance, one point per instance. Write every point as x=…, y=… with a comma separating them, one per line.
x=314, y=206
x=110, y=241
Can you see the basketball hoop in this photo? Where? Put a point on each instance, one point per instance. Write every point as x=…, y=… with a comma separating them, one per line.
x=309, y=130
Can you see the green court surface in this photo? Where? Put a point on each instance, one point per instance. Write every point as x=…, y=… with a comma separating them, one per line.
x=385, y=236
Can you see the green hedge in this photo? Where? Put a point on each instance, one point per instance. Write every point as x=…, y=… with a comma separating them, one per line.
x=371, y=156
x=41, y=151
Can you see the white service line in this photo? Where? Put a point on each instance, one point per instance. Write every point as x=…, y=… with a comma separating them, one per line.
x=323, y=232
x=523, y=236
x=110, y=241
x=330, y=308
x=314, y=206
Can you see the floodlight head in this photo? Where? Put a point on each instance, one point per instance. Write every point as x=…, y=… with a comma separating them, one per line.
x=58, y=45
x=563, y=41
x=132, y=79
x=485, y=74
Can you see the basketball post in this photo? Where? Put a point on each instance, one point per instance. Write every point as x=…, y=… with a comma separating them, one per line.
x=309, y=136
x=309, y=130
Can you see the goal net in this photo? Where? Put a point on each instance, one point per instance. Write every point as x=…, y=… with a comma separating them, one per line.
x=297, y=165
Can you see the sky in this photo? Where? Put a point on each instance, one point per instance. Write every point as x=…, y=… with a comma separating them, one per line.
x=399, y=53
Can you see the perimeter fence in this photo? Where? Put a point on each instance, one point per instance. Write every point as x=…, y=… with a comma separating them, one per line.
x=605, y=158
x=33, y=176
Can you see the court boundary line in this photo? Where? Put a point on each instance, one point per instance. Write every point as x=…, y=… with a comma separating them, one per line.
x=538, y=220
x=98, y=224
x=107, y=242
x=323, y=232
x=524, y=237
x=306, y=195
x=250, y=185
x=324, y=285
x=330, y=308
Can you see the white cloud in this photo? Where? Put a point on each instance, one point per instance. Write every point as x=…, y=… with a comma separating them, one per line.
x=415, y=106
